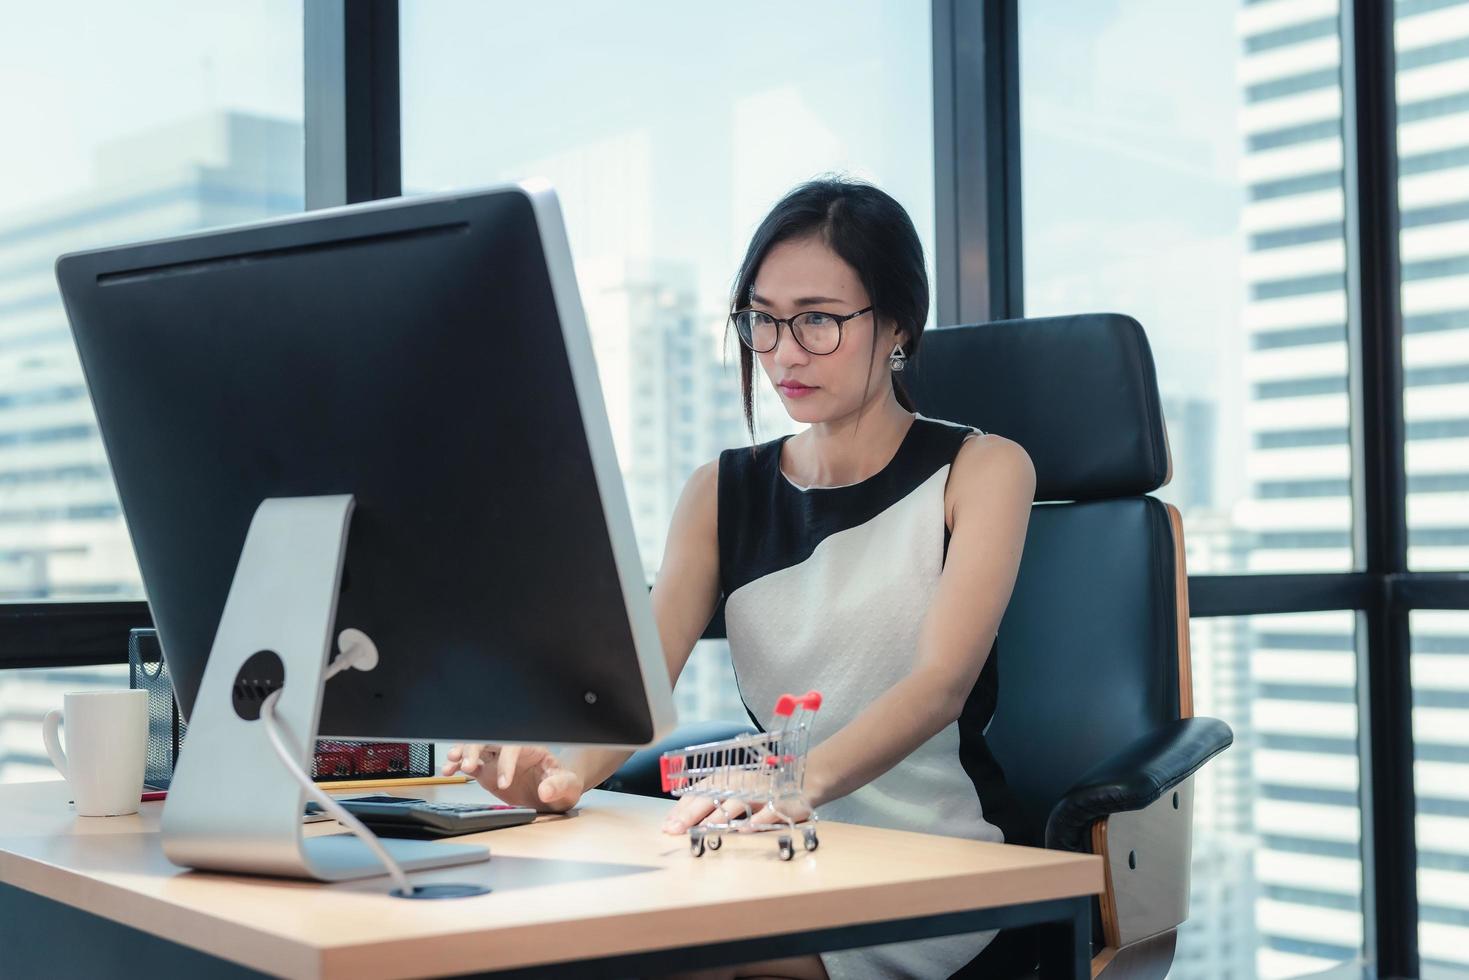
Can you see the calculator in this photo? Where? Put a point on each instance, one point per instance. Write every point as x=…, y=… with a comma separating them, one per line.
x=402, y=816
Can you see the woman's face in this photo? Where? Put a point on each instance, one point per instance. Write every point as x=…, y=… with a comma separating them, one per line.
x=803, y=275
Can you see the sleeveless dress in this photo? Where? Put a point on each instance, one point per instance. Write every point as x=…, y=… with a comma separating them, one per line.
x=825, y=589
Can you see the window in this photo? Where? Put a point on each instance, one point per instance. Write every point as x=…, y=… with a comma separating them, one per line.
x=1433, y=200
x=706, y=688
x=663, y=183
x=1210, y=137
x=1277, y=864
x=125, y=132
x=1440, y=670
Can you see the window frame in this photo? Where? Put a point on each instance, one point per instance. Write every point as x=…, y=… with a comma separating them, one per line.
x=1383, y=590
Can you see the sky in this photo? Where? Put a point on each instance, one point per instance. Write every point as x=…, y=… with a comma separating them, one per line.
x=672, y=132
x=731, y=105
x=77, y=73
x=1132, y=197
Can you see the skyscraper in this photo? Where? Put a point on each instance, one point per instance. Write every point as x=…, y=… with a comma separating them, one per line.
x=1192, y=424
x=674, y=404
x=1304, y=667
x=61, y=530
x=1219, y=938
x=61, y=533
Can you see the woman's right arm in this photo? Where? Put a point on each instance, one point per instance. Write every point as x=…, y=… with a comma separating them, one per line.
x=685, y=594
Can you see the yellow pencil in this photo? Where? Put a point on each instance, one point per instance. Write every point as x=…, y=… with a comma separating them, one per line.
x=387, y=783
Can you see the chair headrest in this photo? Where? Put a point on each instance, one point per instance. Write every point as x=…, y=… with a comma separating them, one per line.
x=1078, y=392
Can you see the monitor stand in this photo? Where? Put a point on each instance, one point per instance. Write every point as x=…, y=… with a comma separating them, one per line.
x=232, y=805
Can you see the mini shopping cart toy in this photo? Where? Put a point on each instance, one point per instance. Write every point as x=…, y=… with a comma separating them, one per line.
x=764, y=768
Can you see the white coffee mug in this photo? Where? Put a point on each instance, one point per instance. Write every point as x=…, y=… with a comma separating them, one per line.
x=107, y=739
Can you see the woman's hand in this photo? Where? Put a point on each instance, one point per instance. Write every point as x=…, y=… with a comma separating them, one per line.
x=522, y=775
x=693, y=809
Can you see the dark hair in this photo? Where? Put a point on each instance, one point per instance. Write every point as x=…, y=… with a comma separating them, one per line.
x=871, y=233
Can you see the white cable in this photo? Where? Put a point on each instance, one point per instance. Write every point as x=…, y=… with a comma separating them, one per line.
x=343, y=816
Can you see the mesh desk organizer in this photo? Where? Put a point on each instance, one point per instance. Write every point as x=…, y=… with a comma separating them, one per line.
x=334, y=760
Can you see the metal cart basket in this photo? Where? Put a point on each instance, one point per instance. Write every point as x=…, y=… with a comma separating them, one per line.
x=765, y=769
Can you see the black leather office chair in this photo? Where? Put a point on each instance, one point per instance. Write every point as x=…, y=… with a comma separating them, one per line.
x=1094, y=725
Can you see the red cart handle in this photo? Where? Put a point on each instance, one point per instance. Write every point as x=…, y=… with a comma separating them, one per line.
x=786, y=706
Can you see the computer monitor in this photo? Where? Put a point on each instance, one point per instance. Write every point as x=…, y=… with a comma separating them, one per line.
x=414, y=377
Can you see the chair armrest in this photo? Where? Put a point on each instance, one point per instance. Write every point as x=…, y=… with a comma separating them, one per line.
x=1135, y=777
x=640, y=775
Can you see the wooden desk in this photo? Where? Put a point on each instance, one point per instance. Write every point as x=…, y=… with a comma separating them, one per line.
x=601, y=892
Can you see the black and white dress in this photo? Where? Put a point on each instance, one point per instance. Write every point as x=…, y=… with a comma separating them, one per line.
x=826, y=588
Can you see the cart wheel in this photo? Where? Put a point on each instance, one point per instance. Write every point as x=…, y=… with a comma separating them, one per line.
x=714, y=842
x=696, y=842
x=786, y=850
x=811, y=841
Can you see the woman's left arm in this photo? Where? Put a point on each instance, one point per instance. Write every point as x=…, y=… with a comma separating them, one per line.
x=992, y=485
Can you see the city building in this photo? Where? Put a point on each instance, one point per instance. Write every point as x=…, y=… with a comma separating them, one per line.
x=62, y=534
x=1305, y=667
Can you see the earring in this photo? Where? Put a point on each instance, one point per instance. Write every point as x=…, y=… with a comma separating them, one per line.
x=897, y=360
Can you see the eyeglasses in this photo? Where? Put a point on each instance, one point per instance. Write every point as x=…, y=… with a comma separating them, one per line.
x=816, y=332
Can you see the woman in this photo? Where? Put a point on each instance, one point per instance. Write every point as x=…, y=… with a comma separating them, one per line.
x=869, y=557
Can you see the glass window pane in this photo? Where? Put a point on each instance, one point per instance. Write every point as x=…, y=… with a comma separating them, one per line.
x=1276, y=888
x=668, y=136
x=1433, y=197
x=706, y=689
x=126, y=131
x=1182, y=164
x=1440, y=670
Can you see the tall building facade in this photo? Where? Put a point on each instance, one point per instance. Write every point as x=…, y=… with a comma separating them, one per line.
x=61, y=530
x=1219, y=939
x=1433, y=146
x=670, y=379
x=1304, y=725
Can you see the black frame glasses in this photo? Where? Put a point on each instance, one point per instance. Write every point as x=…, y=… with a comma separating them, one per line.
x=748, y=339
